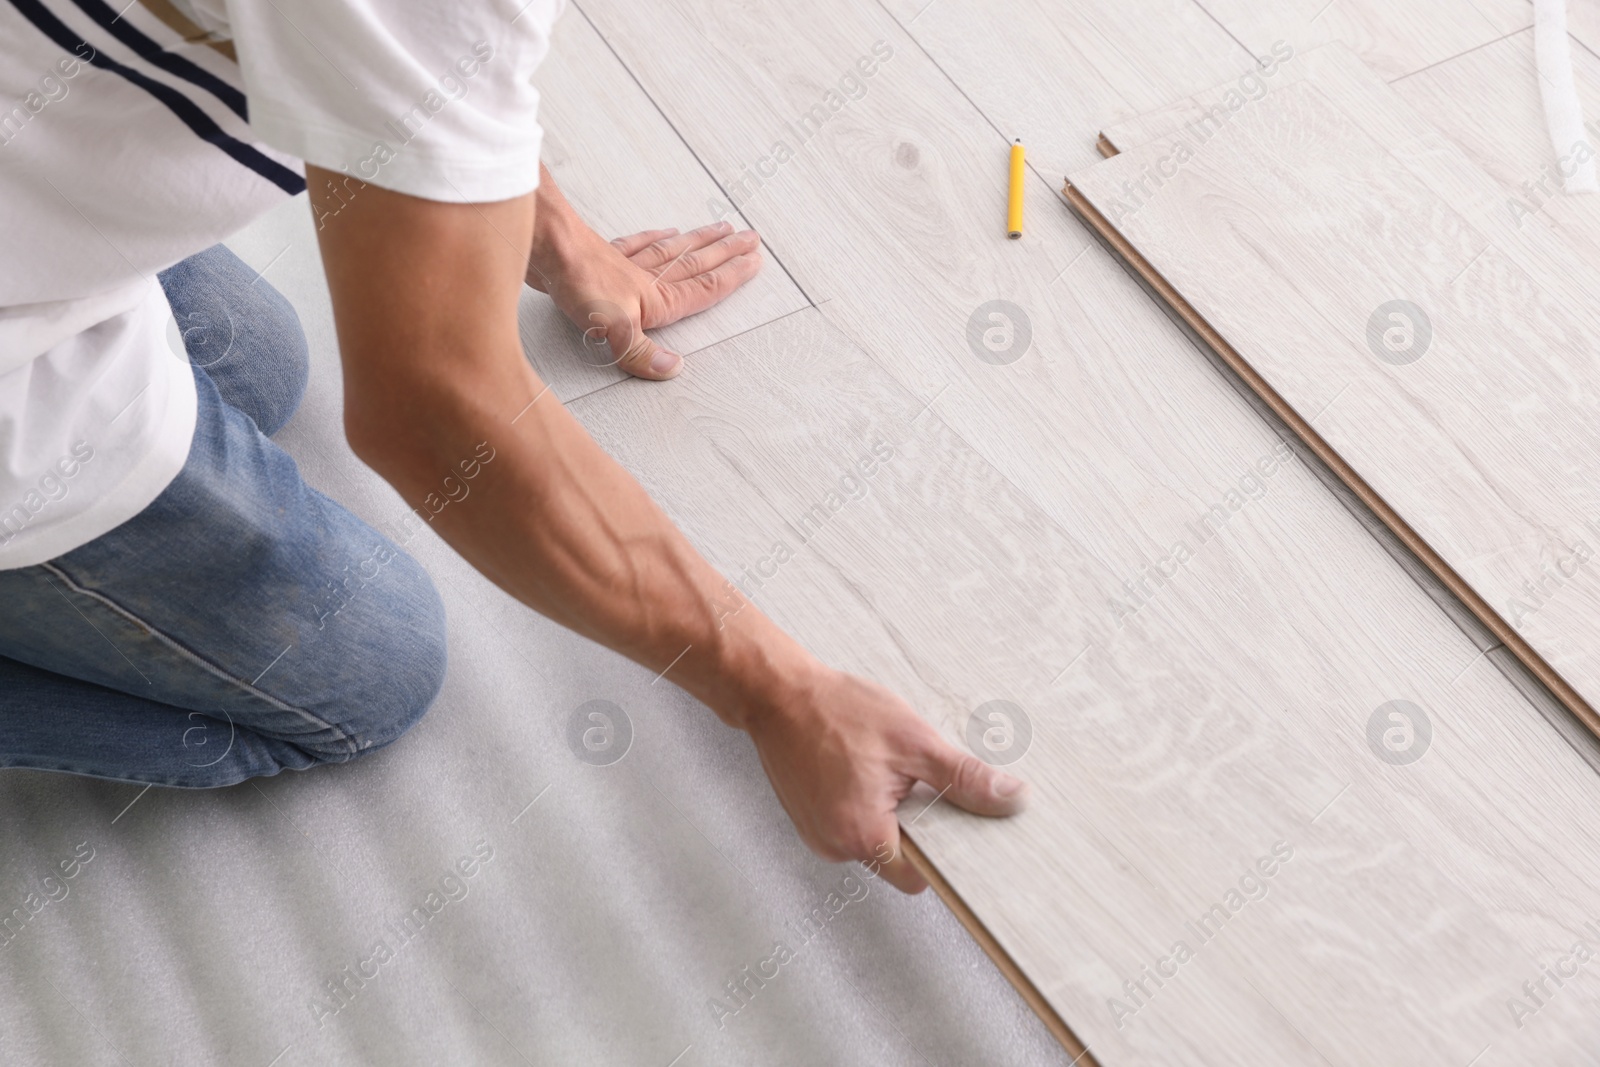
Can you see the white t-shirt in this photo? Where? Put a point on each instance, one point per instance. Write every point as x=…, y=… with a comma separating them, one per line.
x=131, y=138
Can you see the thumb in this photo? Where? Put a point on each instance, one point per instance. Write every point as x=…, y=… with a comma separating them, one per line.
x=968, y=782
x=612, y=338
x=642, y=357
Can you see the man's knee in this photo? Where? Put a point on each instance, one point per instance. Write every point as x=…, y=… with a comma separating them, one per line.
x=273, y=339
x=242, y=332
x=404, y=660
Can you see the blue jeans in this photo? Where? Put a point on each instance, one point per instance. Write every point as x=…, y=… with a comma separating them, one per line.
x=241, y=624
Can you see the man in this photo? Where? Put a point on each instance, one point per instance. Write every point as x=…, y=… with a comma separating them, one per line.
x=163, y=568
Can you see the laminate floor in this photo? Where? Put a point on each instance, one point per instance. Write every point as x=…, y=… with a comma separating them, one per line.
x=1249, y=728
x=1393, y=38
x=1487, y=101
x=1472, y=416
x=1114, y=861
x=1120, y=453
x=1044, y=70
x=625, y=170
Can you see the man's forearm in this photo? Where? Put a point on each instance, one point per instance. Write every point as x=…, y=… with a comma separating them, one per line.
x=557, y=523
x=552, y=519
x=425, y=299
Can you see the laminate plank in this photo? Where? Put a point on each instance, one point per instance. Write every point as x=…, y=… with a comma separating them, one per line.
x=1394, y=37
x=1224, y=711
x=1447, y=601
x=1480, y=449
x=1487, y=101
x=625, y=170
x=1045, y=71
x=739, y=457
x=1583, y=23
x=1048, y=87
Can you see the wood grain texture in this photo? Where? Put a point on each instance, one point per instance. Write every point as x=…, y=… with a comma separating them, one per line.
x=1394, y=37
x=1183, y=723
x=1487, y=101
x=1534, y=239
x=1044, y=70
x=1481, y=439
x=940, y=578
x=625, y=170
x=1583, y=23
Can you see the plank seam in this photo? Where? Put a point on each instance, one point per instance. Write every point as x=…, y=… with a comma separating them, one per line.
x=690, y=149
x=1441, y=570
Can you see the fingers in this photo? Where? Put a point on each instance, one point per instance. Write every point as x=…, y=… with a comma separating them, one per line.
x=708, y=257
x=968, y=782
x=637, y=242
x=695, y=294
x=658, y=255
x=878, y=848
x=896, y=869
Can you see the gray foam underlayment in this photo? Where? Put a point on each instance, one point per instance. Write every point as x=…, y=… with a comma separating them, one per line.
x=208, y=923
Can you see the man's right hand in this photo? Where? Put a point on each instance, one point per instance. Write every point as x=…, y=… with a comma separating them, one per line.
x=842, y=752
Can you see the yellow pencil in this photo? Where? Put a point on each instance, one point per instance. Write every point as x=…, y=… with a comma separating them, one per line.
x=1014, y=206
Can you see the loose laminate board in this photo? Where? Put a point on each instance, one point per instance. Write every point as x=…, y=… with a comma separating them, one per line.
x=1181, y=725
x=942, y=580
x=1487, y=101
x=1291, y=225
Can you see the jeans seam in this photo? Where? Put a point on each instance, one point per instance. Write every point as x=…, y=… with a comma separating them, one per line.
x=200, y=661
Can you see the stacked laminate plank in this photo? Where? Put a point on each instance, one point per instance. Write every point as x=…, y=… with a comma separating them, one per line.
x=1438, y=342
